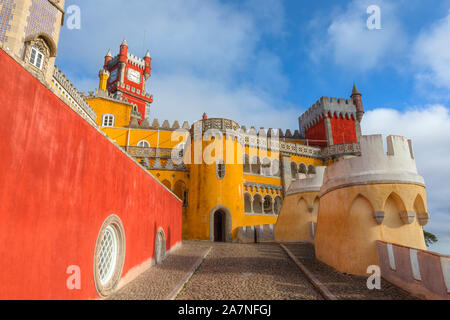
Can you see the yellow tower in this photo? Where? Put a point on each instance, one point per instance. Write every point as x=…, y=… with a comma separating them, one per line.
x=216, y=181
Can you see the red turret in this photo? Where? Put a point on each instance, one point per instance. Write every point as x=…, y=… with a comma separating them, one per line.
x=356, y=97
x=148, y=64
x=123, y=51
x=128, y=76
x=108, y=58
x=204, y=116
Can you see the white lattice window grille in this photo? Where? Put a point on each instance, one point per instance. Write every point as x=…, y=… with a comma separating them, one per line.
x=107, y=257
x=36, y=58
x=108, y=120
x=143, y=144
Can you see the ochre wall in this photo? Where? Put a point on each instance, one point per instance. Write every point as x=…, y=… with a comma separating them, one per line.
x=294, y=222
x=60, y=180
x=206, y=192
x=347, y=230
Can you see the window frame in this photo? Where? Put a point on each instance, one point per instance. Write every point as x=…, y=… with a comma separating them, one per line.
x=33, y=60
x=106, y=115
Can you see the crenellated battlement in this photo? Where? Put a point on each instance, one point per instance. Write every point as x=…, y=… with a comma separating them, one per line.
x=374, y=165
x=64, y=89
x=332, y=107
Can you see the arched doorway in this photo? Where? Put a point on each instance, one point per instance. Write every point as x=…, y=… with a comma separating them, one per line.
x=225, y=222
x=219, y=226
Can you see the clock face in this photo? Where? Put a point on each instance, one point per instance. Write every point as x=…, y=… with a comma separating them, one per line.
x=113, y=76
x=134, y=76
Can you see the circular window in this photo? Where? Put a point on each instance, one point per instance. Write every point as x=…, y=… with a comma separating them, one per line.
x=109, y=256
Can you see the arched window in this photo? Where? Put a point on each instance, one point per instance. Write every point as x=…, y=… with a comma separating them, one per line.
x=276, y=168
x=108, y=120
x=268, y=208
x=255, y=165
x=247, y=202
x=311, y=169
x=220, y=169
x=246, y=163
x=302, y=171
x=257, y=203
x=266, y=163
x=36, y=58
x=294, y=170
x=143, y=144
x=278, y=203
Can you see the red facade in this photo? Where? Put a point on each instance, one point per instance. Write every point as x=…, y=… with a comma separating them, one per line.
x=60, y=179
x=343, y=129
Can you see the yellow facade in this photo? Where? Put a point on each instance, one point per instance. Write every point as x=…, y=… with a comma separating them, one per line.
x=197, y=184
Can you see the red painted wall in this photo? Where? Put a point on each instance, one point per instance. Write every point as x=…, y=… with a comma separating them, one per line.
x=59, y=180
x=344, y=130
x=317, y=132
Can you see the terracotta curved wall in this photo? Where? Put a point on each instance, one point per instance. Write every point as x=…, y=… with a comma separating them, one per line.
x=347, y=230
x=294, y=222
x=59, y=180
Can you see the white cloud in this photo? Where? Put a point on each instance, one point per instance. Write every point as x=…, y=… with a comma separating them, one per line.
x=248, y=106
x=429, y=129
x=432, y=54
x=348, y=41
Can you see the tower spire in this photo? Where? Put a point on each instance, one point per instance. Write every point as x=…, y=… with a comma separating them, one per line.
x=357, y=101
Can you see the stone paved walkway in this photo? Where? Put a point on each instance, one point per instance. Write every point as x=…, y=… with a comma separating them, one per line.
x=234, y=271
x=160, y=280
x=250, y=272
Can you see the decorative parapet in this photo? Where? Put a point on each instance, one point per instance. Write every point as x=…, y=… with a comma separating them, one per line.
x=261, y=186
x=342, y=149
x=375, y=166
x=311, y=183
x=261, y=139
x=323, y=107
x=420, y=272
x=139, y=152
x=64, y=89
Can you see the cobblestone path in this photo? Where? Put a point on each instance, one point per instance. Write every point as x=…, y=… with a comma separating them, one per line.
x=247, y=272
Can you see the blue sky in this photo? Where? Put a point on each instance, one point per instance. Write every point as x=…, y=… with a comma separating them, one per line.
x=264, y=62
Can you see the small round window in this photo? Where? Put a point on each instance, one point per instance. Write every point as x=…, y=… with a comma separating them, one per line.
x=109, y=256
x=220, y=169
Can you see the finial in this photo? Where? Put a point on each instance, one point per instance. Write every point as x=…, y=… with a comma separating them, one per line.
x=355, y=90
x=109, y=53
x=204, y=116
x=147, y=55
x=124, y=42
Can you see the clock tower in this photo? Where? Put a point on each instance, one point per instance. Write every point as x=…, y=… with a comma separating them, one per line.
x=127, y=78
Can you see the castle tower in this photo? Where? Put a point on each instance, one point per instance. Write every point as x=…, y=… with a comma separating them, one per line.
x=369, y=198
x=127, y=78
x=31, y=33
x=216, y=193
x=332, y=121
